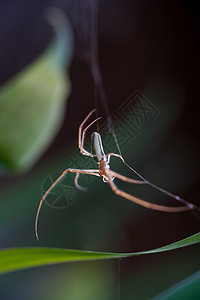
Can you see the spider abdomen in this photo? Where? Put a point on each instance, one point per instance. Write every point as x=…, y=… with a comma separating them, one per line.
x=97, y=147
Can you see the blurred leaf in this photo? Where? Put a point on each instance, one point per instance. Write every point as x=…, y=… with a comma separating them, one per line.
x=32, y=104
x=16, y=259
x=184, y=290
x=94, y=281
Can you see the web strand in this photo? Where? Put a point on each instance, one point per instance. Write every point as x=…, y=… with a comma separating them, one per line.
x=99, y=88
x=95, y=68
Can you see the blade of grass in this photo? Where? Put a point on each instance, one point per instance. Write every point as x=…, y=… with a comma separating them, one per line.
x=21, y=258
x=185, y=289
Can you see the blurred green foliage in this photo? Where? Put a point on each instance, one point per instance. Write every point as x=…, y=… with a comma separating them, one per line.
x=184, y=290
x=32, y=104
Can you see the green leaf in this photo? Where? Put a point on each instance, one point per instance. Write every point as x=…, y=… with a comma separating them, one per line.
x=32, y=103
x=184, y=290
x=21, y=258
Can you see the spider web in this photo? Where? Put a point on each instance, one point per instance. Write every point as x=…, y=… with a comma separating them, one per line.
x=100, y=94
x=95, y=69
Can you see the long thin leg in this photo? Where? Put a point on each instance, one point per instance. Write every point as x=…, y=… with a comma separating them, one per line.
x=190, y=205
x=126, y=179
x=114, y=154
x=90, y=172
x=144, y=203
x=82, y=188
x=83, y=138
x=82, y=150
x=82, y=134
x=81, y=126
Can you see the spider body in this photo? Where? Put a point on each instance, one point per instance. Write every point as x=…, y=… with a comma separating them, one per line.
x=104, y=171
x=97, y=147
x=99, y=156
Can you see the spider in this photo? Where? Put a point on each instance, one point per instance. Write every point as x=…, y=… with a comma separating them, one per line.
x=108, y=175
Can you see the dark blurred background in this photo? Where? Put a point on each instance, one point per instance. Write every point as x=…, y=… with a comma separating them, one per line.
x=150, y=46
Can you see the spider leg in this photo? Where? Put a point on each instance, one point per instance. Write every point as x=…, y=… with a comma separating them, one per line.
x=81, y=138
x=82, y=188
x=81, y=126
x=76, y=179
x=90, y=172
x=114, y=154
x=82, y=134
x=82, y=150
x=126, y=179
x=141, y=202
